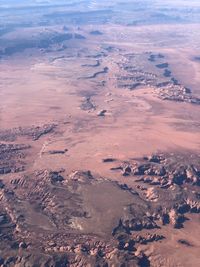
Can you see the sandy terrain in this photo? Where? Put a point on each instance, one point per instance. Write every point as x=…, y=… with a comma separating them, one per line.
x=102, y=95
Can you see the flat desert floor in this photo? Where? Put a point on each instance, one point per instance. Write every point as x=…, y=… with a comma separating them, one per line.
x=99, y=133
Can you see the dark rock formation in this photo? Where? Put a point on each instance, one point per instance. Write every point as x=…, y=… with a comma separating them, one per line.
x=55, y=177
x=147, y=238
x=176, y=219
x=96, y=32
x=54, y=152
x=79, y=36
x=87, y=104
x=185, y=242
x=167, y=73
x=126, y=170
x=96, y=74
x=158, y=169
x=107, y=160
x=102, y=113
x=162, y=65
x=34, y=132
x=12, y=158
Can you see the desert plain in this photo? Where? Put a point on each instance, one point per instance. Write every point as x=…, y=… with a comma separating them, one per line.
x=99, y=133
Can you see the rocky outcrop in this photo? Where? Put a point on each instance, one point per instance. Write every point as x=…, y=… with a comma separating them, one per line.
x=185, y=242
x=176, y=219
x=81, y=176
x=159, y=170
x=96, y=32
x=102, y=113
x=131, y=76
x=87, y=104
x=34, y=132
x=107, y=160
x=56, y=177
x=12, y=158
x=96, y=74
x=135, y=224
x=151, y=194
x=178, y=93
x=147, y=238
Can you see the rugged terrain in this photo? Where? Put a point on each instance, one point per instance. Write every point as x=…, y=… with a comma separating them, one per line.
x=99, y=133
